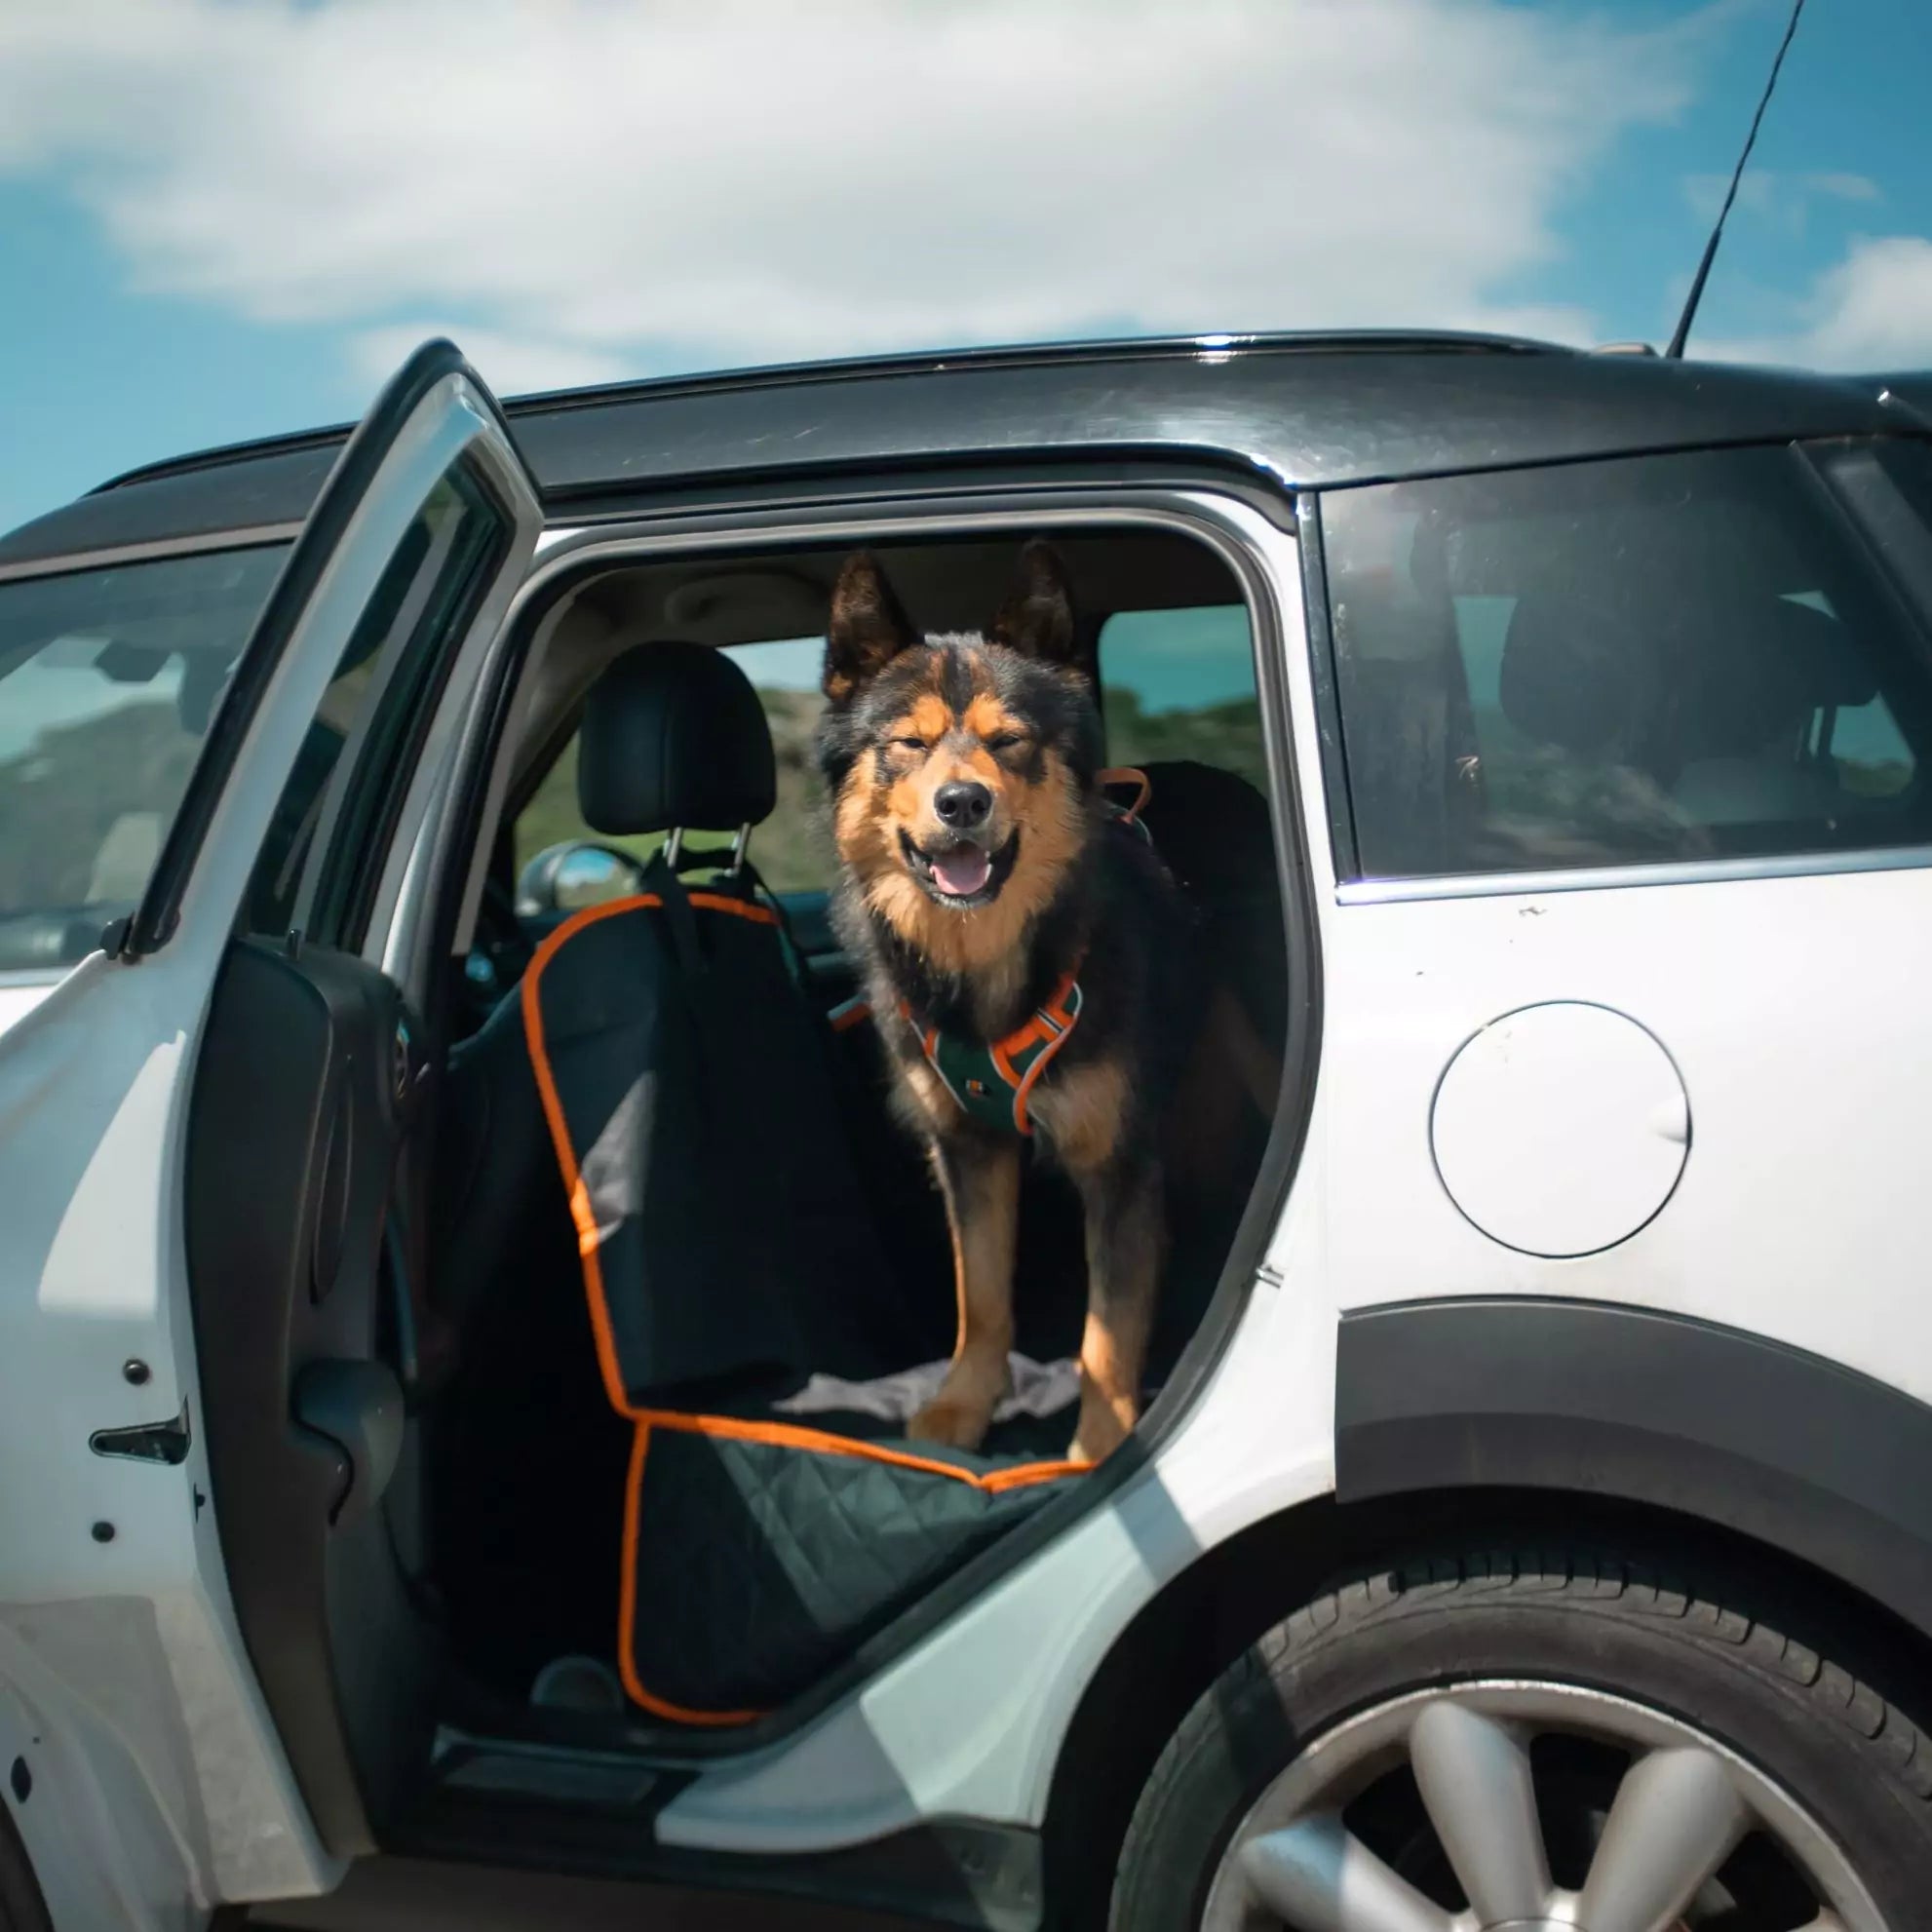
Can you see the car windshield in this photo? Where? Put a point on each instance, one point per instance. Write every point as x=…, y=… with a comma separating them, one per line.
x=109, y=679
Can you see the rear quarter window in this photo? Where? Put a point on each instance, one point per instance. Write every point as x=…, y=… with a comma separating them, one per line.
x=109, y=679
x=1657, y=659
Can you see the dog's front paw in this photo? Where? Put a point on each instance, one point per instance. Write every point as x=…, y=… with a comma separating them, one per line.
x=946, y=1419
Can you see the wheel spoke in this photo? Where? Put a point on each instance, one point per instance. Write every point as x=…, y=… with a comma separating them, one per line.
x=1474, y=1774
x=1318, y=1877
x=1675, y=1819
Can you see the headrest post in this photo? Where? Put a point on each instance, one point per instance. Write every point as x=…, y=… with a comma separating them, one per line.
x=673, y=845
x=738, y=846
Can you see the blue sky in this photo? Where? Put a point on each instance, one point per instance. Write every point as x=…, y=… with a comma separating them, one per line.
x=220, y=218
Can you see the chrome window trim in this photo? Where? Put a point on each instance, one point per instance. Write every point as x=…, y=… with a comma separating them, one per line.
x=1617, y=878
x=253, y=536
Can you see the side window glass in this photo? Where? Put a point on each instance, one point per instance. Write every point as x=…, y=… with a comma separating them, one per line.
x=1655, y=660
x=109, y=679
x=1179, y=684
x=382, y=691
x=791, y=850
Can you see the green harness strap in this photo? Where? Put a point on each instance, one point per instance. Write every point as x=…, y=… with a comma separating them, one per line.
x=992, y=1082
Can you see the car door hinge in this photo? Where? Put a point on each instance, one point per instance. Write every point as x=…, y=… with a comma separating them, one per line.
x=146, y=1441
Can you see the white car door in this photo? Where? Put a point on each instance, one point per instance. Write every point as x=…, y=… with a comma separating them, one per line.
x=145, y=1705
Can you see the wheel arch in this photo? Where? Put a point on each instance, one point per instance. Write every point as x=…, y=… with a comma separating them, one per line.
x=1441, y=1435
x=1784, y=1448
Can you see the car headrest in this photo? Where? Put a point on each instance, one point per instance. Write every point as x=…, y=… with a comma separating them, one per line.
x=1568, y=671
x=674, y=735
x=1760, y=671
x=1584, y=674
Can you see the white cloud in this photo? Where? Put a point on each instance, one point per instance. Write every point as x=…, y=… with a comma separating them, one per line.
x=1871, y=310
x=1784, y=200
x=601, y=186
x=516, y=363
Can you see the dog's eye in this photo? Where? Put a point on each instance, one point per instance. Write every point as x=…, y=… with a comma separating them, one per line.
x=910, y=744
x=1004, y=741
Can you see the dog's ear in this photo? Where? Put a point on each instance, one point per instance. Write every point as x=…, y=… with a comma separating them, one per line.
x=1037, y=617
x=866, y=628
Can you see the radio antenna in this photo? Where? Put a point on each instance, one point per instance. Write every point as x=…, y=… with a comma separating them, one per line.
x=1703, y=275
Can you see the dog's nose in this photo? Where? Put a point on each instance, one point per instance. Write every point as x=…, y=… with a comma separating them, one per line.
x=963, y=805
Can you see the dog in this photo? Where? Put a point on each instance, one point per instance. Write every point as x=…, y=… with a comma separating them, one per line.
x=1029, y=963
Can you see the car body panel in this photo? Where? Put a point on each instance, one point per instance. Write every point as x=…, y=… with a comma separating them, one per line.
x=20, y=993
x=1787, y=1214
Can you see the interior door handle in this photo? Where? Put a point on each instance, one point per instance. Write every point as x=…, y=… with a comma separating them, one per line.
x=358, y=1406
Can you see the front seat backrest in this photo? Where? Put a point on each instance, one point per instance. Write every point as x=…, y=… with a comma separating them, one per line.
x=686, y=1079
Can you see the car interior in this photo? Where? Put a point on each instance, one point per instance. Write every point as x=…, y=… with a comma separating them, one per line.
x=675, y=1275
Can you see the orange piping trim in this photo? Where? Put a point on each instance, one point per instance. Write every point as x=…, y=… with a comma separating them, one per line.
x=791, y=1435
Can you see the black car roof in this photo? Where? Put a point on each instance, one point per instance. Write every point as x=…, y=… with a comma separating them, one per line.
x=1309, y=412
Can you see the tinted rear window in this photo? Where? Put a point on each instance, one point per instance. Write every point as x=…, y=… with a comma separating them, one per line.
x=1659, y=659
x=109, y=682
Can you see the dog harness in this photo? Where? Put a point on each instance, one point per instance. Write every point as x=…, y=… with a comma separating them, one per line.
x=992, y=1081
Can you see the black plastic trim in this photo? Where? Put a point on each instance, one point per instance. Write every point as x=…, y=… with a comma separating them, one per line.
x=952, y=1872
x=348, y=481
x=1338, y=793
x=1792, y=1450
x=563, y=571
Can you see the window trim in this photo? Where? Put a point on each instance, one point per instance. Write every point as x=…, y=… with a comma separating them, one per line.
x=246, y=536
x=1616, y=878
x=1818, y=463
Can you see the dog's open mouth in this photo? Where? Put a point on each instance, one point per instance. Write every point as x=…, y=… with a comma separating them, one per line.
x=961, y=875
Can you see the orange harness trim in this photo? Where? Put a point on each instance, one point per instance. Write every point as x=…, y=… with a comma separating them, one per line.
x=1015, y=1063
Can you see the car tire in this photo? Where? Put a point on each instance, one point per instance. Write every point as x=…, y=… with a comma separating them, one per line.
x=21, y=1908
x=1670, y=1651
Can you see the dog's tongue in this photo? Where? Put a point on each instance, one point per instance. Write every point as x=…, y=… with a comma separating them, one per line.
x=962, y=872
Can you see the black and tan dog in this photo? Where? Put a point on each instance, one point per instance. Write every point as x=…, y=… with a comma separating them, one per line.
x=1029, y=961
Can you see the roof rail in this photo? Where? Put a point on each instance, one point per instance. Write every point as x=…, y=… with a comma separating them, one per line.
x=1366, y=341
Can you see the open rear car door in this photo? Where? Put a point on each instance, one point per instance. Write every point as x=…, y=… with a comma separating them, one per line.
x=208, y=1616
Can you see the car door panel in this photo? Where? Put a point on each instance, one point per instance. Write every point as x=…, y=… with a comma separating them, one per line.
x=298, y=1112
x=98, y=1327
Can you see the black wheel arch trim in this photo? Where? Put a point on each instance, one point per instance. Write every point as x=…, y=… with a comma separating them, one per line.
x=1795, y=1452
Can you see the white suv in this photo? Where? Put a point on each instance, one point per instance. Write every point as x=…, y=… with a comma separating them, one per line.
x=1531, y=1521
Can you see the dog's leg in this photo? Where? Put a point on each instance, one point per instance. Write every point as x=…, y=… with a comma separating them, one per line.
x=981, y=1180
x=1126, y=1235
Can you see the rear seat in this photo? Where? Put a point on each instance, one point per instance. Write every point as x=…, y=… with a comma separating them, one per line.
x=729, y=1253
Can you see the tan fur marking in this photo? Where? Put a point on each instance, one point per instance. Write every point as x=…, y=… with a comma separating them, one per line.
x=929, y=719
x=936, y=1109
x=982, y=1185
x=1079, y=1111
x=1123, y=1278
x=987, y=718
